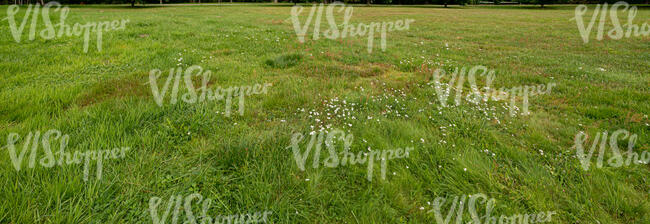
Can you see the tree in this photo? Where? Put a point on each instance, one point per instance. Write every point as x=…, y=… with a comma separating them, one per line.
x=134, y=1
x=448, y=2
x=540, y=2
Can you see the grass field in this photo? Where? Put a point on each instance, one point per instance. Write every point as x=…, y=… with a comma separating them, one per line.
x=102, y=100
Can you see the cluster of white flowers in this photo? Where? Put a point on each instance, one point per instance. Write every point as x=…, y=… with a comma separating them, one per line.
x=489, y=153
x=335, y=110
x=180, y=60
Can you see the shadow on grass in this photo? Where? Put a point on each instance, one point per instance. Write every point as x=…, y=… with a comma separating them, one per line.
x=116, y=6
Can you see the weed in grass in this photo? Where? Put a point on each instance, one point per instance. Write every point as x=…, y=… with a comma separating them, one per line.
x=285, y=61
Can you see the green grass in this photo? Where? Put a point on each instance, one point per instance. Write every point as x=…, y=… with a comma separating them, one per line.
x=102, y=100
